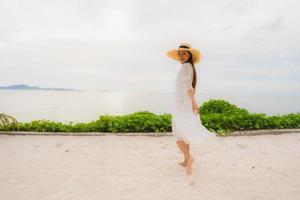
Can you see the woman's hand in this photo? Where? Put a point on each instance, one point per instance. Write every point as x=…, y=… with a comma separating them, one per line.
x=195, y=107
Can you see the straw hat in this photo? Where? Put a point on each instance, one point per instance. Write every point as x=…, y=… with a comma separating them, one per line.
x=173, y=53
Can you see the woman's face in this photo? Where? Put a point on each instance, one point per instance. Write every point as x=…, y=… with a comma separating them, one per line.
x=183, y=56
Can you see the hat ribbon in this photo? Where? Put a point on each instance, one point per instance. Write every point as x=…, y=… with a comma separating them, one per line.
x=183, y=46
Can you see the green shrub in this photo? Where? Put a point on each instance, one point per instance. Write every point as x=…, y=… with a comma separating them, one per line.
x=141, y=121
x=217, y=115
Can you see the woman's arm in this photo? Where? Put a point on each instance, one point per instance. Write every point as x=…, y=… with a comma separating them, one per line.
x=195, y=107
x=188, y=87
x=191, y=93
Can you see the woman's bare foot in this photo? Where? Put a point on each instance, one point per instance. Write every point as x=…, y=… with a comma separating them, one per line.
x=183, y=163
x=189, y=165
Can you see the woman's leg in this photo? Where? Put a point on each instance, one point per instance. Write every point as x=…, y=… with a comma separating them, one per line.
x=183, y=149
x=187, y=147
x=190, y=159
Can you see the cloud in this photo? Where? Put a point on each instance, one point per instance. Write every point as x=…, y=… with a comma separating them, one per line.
x=121, y=44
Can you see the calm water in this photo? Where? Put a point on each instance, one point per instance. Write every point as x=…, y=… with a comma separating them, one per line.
x=85, y=106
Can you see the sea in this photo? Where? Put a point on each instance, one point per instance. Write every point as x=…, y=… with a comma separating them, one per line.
x=85, y=106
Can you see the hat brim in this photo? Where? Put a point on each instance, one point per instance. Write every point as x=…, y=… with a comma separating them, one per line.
x=173, y=53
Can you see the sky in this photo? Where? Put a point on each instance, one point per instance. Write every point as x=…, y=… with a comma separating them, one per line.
x=247, y=46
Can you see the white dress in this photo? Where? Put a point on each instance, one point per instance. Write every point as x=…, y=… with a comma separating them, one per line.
x=186, y=125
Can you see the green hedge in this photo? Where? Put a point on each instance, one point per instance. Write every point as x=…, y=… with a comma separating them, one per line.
x=216, y=115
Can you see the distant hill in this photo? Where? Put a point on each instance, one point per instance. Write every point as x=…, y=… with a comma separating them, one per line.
x=26, y=87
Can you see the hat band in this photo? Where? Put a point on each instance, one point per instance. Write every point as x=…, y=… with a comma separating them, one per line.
x=183, y=46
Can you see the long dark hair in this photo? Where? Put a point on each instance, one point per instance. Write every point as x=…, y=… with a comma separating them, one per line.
x=190, y=60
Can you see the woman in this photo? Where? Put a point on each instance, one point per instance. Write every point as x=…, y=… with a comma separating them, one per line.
x=186, y=121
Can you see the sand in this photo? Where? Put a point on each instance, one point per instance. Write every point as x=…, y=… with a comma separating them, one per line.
x=265, y=167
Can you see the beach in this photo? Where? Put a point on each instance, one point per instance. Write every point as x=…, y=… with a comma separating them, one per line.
x=262, y=167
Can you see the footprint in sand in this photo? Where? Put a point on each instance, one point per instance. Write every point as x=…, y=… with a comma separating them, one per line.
x=241, y=146
x=58, y=145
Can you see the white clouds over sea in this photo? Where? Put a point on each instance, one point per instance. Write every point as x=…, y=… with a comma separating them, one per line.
x=248, y=47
